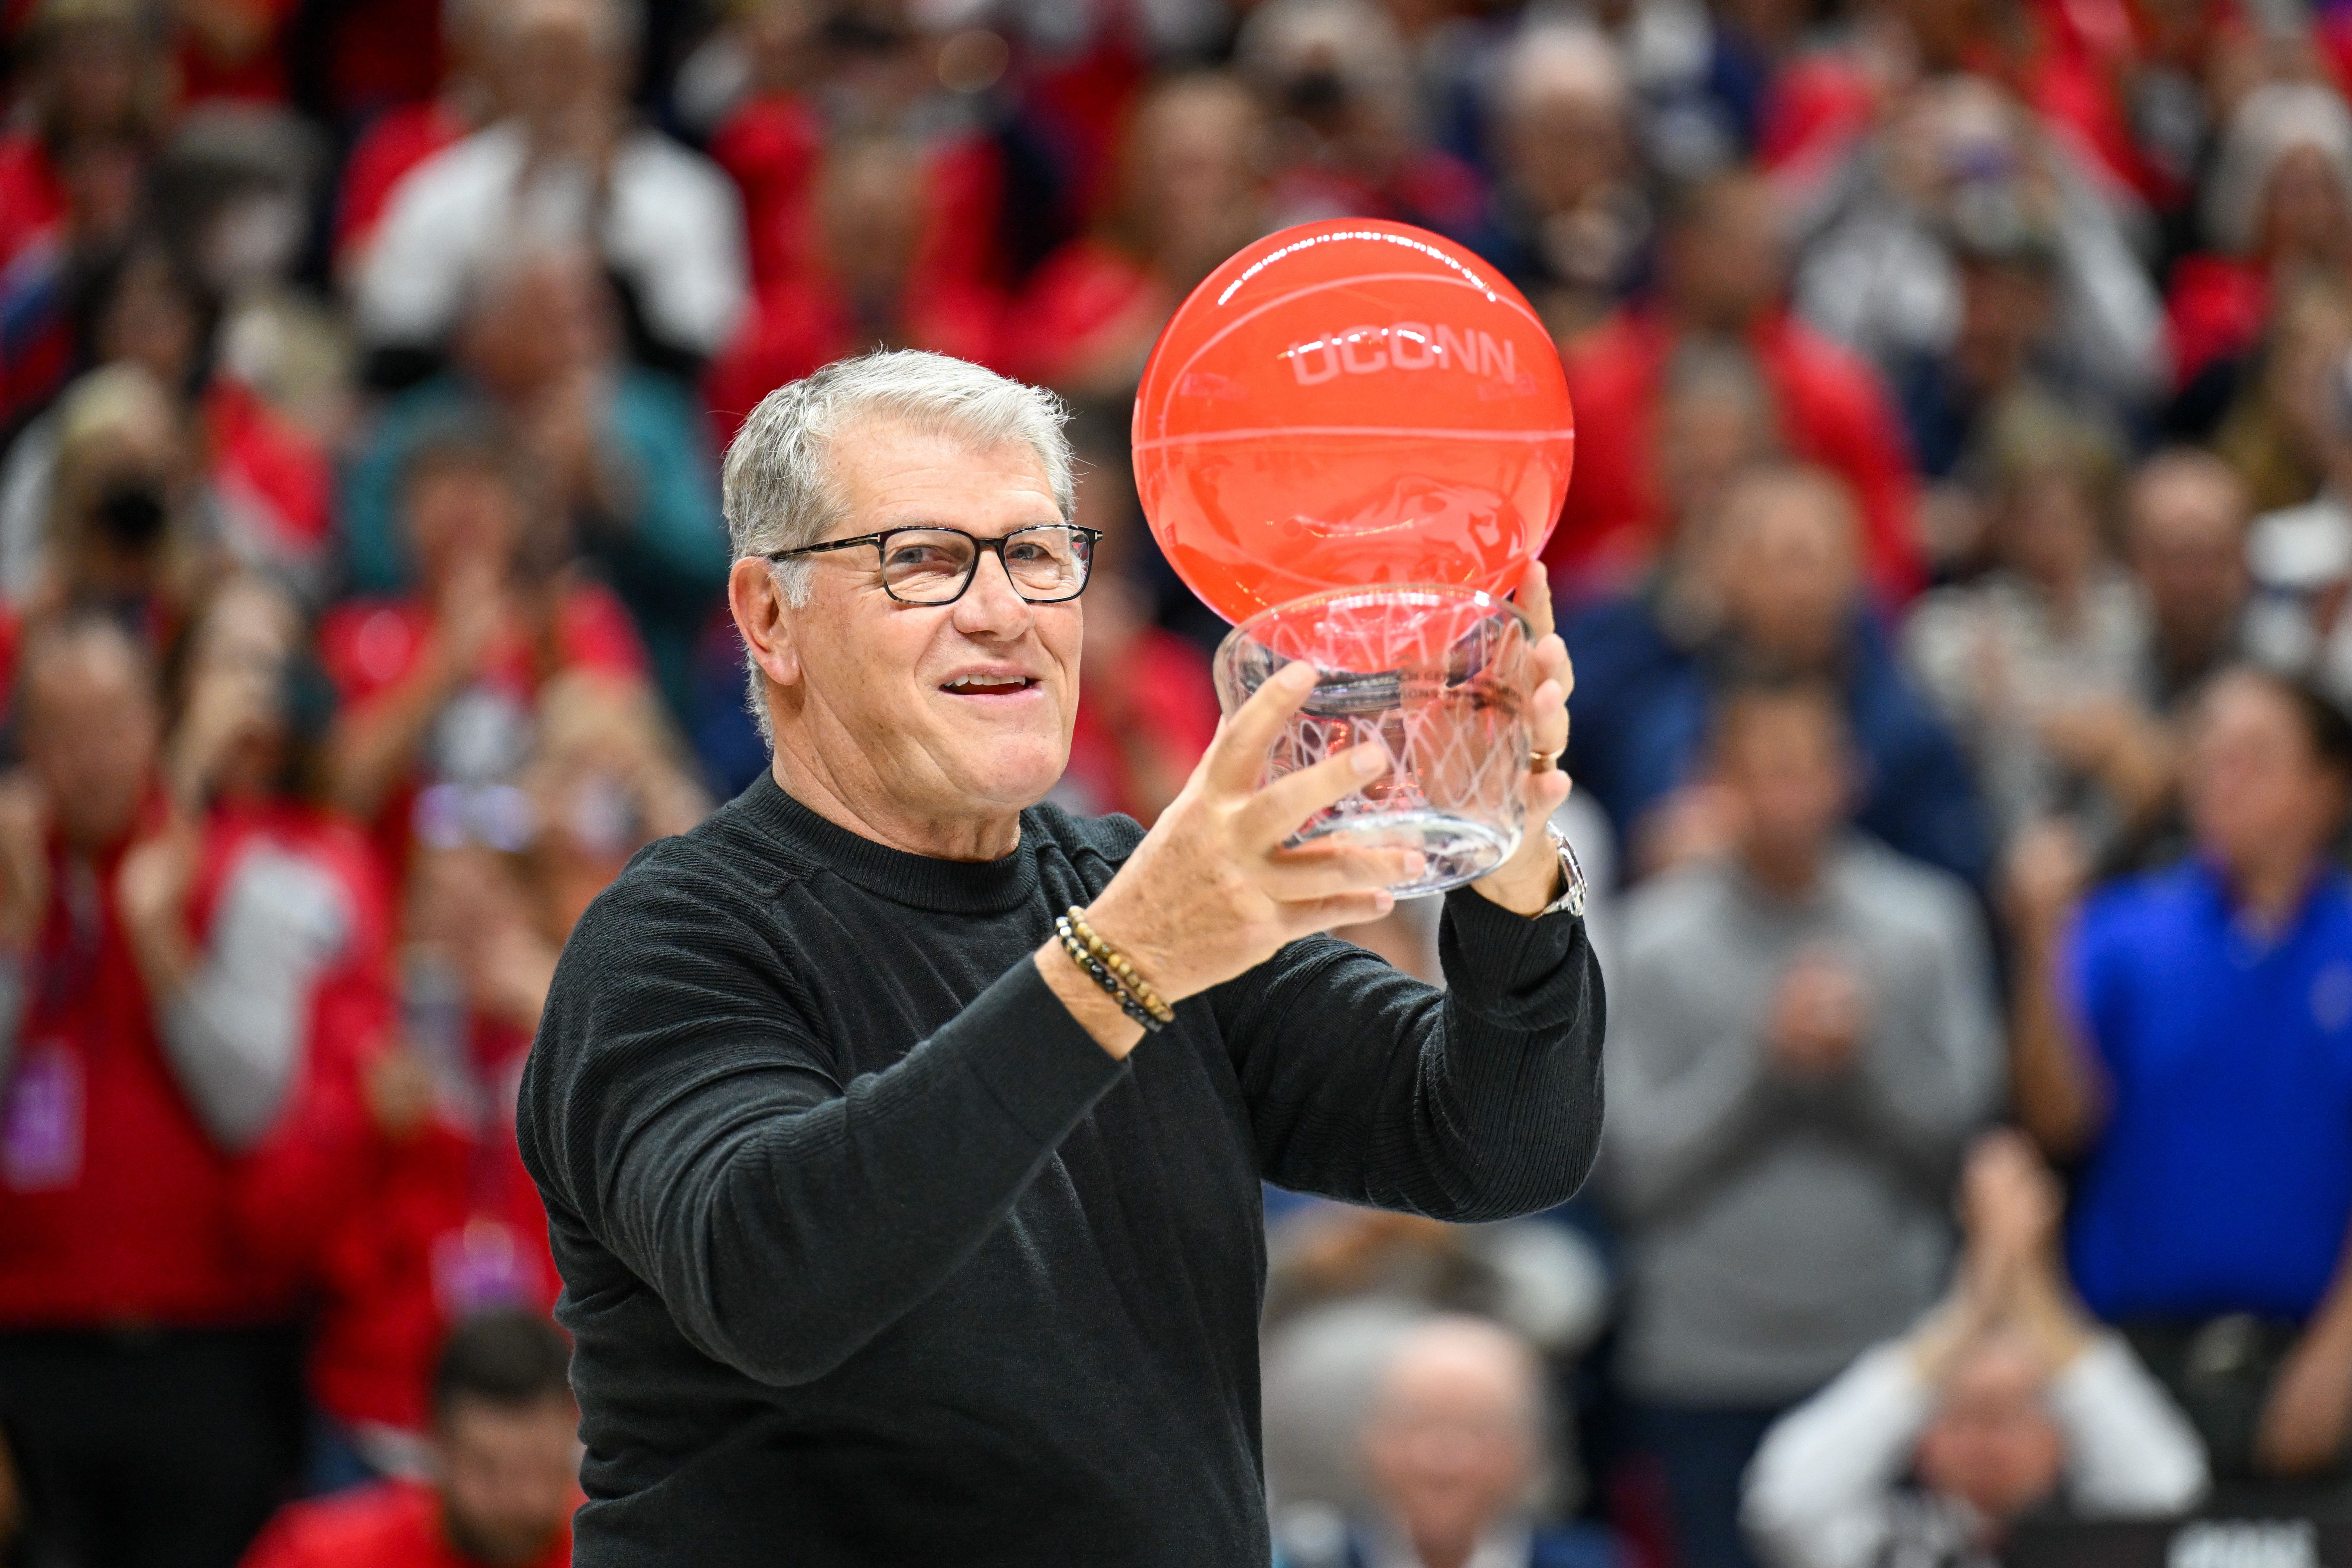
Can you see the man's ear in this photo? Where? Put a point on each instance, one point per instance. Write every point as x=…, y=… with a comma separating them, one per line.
x=757, y=602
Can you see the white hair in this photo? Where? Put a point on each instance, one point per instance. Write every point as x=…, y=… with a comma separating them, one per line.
x=2273, y=121
x=619, y=25
x=1359, y=42
x=777, y=483
x=1562, y=57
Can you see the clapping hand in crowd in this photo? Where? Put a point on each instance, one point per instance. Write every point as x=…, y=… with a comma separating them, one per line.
x=24, y=859
x=2112, y=740
x=1818, y=1016
x=2008, y=1280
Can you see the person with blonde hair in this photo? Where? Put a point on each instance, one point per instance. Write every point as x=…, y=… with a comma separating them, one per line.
x=125, y=523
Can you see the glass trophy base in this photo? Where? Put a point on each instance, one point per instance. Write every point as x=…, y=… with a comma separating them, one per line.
x=1435, y=674
x=1456, y=848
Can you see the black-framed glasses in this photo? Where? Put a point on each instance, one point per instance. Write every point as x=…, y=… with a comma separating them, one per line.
x=1045, y=564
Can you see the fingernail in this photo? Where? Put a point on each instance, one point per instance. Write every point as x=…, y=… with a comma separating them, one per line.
x=1298, y=672
x=1416, y=863
x=1372, y=758
x=1384, y=900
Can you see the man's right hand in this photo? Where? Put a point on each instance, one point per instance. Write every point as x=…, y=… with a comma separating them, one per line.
x=473, y=613
x=1212, y=892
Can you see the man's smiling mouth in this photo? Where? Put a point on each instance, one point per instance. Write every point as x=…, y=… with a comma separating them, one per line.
x=988, y=685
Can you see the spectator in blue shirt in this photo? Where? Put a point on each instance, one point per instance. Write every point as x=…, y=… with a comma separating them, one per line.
x=1777, y=591
x=2187, y=1036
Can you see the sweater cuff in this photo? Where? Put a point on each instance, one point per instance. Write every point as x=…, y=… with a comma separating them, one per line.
x=1037, y=1060
x=1524, y=972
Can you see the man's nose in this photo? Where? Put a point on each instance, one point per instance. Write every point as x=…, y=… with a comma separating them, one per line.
x=990, y=607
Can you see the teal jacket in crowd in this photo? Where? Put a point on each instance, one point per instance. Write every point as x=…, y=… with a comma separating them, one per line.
x=667, y=560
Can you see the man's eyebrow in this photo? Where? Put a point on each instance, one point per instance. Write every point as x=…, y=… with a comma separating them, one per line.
x=924, y=519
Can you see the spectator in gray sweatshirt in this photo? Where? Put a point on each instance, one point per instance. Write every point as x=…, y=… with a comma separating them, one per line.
x=1803, y=1040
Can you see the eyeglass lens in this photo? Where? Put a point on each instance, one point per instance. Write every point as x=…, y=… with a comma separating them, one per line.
x=931, y=566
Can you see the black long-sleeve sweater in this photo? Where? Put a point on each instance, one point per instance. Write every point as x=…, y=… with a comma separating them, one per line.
x=873, y=1255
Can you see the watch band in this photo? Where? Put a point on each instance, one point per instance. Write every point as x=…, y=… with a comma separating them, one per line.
x=1571, y=877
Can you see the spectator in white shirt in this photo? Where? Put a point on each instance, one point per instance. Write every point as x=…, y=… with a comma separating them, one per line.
x=567, y=165
x=2004, y=1400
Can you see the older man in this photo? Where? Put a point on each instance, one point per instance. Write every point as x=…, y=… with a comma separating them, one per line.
x=1453, y=1443
x=886, y=1236
x=2001, y=1402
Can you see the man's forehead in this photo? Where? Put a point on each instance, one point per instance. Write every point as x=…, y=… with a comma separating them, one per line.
x=882, y=462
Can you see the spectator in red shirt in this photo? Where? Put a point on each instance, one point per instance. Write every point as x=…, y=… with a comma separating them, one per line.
x=438, y=685
x=877, y=276
x=163, y=995
x=89, y=75
x=1190, y=193
x=810, y=79
x=1336, y=74
x=96, y=94
x=405, y=134
x=1723, y=268
x=2278, y=210
x=506, y=1463
x=771, y=140
x=425, y=1212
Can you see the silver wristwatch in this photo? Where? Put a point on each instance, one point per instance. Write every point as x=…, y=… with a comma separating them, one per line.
x=1571, y=878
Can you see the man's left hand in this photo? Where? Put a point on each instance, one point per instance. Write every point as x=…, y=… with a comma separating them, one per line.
x=1530, y=879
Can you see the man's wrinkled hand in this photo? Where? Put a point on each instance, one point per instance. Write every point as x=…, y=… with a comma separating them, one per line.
x=1530, y=879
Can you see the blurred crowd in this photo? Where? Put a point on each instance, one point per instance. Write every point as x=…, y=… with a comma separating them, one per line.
x=1957, y=568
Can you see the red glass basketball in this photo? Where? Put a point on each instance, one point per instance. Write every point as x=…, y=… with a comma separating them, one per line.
x=1348, y=404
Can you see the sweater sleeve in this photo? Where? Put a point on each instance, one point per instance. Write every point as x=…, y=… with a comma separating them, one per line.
x=1477, y=1103
x=235, y=1034
x=1817, y=1494
x=2129, y=1451
x=679, y=1104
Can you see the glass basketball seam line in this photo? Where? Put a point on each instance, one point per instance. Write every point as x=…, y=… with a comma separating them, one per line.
x=1386, y=432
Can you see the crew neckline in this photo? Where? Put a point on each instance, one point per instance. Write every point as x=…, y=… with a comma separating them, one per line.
x=917, y=882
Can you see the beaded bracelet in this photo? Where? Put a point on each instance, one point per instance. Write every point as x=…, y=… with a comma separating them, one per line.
x=1104, y=977
x=1115, y=961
